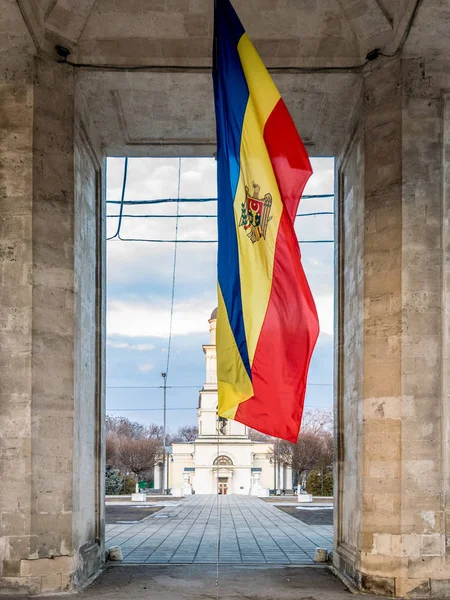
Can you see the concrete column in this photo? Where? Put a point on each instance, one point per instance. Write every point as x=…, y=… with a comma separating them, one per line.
x=288, y=478
x=157, y=477
x=392, y=417
x=51, y=357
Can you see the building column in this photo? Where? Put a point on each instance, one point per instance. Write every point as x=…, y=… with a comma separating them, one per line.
x=288, y=478
x=51, y=357
x=392, y=393
x=157, y=477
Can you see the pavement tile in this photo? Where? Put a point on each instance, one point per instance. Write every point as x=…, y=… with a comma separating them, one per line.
x=251, y=531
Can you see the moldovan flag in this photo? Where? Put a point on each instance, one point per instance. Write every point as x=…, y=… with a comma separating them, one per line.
x=267, y=323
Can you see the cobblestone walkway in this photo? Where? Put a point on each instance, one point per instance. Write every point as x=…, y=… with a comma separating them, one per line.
x=251, y=532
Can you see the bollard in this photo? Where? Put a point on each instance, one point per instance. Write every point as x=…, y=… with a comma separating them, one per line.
x=321, y=555
x=115, y=553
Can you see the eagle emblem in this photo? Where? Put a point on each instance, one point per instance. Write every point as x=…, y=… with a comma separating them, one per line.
x=255, y=213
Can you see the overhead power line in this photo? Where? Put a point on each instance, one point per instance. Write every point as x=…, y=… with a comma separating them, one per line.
x=124, y=186
x=155, y=241
x=169, y=200
x=147, y=409
x=185, y=387
x=151, y=387
x=314, y=214
x=175, y=250
x=177, y=408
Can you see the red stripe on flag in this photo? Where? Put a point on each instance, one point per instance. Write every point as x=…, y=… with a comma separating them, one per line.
x=285, y=345
x=288, y=155
x=291, y=327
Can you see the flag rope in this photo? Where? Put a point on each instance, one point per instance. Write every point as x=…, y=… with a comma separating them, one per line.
x=219, y=509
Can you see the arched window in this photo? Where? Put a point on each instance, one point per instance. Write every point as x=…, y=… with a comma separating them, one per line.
x=223, y=461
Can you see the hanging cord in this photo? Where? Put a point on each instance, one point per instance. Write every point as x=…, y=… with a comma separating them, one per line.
x=122, y=198
x=219, y=508
x=169, y=345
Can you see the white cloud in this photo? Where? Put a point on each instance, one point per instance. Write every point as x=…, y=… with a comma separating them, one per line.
x=145, y=319
x=126, y=345
x=117, y=344
x=141, y=319
x=146, y=368
x=142, y=347
x=325, y=310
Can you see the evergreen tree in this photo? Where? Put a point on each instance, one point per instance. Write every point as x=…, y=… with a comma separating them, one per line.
x=113, y=482
x=314, y=483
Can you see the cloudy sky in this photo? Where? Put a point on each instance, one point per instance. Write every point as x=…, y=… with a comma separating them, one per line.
x=140, y=286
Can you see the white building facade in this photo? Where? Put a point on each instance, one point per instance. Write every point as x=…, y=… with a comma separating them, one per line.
x=222, y=459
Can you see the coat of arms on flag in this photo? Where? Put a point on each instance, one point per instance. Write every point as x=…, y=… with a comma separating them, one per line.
x=255, y=213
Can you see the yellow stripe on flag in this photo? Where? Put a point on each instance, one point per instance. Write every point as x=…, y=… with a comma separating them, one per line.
x=235, y=385
x=260, y=85
x=255, y=258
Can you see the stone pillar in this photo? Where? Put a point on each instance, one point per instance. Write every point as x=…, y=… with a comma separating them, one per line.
x=157, y=477
x=288, y=478
x=51, y=358
x=392, y=416
x=187, y=488
x=255, y=486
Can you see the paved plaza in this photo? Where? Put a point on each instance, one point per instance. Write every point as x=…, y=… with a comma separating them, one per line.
x=251, y=532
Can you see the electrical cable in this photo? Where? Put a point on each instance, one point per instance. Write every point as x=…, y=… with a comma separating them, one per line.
x=406, y=33
x=169, y=200
x=146, y=409
x=155, y=241
x=291, y=69
x=124, y=185
x=169, y=345
x=152, y=387
x=63, y=53
x=184, y=387
x=181, y=408
x=315, y=214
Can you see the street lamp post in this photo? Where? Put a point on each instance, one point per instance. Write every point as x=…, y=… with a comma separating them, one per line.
x=163, y=483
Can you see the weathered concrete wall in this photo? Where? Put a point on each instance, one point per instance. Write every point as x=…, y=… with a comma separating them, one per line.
x=381, y=431
x=348, y=358
x=16, y=295
x=401, y=482
x=52, y=423
x=51, y=267
x=89, y=317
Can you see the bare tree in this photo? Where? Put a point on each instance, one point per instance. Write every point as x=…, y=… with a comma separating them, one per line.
x=308, y=452
x=188, y=433
x=123, y=427
x=326, y=459
x=317, y=420
x=139, y=455
x=314, y=448
x=111, y=449
x=284, y=451
x=257, y=436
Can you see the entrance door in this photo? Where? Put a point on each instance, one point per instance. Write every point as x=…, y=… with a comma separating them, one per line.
x=223, y=485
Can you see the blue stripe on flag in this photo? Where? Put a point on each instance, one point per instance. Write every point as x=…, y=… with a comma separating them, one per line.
x=231, y=98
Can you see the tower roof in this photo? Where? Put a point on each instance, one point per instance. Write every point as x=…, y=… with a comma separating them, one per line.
x=213, y=315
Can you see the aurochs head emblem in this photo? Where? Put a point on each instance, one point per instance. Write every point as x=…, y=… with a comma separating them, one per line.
x=255, y=213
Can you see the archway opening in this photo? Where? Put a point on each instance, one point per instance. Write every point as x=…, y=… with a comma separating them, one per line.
x=162, y=230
